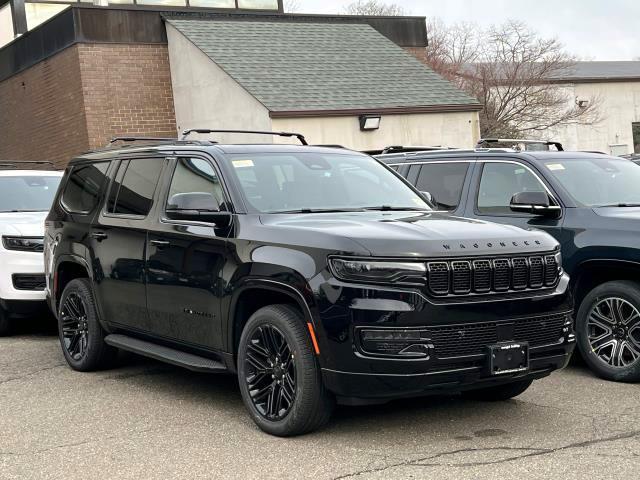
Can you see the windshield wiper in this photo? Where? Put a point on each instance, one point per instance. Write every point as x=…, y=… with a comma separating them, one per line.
x=319, y=210
x=620, y=205
x=389, y=208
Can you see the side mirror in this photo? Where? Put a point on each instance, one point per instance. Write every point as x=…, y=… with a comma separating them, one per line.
x=198, y=207
x=429, y=199
x=536, y=203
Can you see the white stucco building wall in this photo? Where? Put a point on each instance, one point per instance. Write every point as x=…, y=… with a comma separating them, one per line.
x=619, y=108
x=459, y=129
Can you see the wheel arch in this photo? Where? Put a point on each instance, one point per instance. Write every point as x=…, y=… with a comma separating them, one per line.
x=257, y=293
x=68, y=268
x=591, y=273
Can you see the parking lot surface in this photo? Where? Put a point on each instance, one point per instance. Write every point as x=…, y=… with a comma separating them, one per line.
x=147, y=420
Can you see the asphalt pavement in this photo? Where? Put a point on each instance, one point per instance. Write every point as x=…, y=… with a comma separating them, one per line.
x=147, y=420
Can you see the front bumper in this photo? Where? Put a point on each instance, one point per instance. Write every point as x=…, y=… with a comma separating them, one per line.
x=458, y=336
x=19, y=264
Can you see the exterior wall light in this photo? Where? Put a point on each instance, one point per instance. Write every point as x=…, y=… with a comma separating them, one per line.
x=369, y=122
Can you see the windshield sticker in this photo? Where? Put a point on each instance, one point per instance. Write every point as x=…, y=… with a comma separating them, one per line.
x=242, y=163
x=555, y=166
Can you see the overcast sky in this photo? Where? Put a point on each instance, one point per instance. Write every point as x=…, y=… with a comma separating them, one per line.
x=590, y=29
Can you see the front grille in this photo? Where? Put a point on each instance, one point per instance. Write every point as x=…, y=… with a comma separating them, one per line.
x=23, y=281
x=491, y=275
x=472, y=339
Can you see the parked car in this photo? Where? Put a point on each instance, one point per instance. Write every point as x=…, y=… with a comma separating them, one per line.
x=589, y=202
x=25, y=199
x=313, y=274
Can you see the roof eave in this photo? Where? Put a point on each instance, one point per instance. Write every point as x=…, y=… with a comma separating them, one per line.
x=348, y=112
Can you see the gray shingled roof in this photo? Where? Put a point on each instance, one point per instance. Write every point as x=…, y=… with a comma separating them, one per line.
x=602, y=71
x=295, y=66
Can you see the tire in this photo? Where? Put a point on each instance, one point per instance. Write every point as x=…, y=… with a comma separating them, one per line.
x=498, y=393
x=299, y=406
x=81, y=335
x=611, y=355
x=5, y=323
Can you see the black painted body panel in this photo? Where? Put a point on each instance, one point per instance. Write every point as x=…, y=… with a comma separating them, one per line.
x=185, y=295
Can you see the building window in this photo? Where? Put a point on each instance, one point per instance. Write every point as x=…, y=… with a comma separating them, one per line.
x=636, y=136
x=258, y=4
x=38, y=12
x=169, y=3
x=213, y=3
x=6, y=24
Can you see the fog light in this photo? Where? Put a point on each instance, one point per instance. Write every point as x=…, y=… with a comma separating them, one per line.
x=407, y=343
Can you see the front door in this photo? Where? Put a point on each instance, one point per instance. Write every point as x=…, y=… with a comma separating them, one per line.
x=185, y=260
x=496, y=182
x=118, y=240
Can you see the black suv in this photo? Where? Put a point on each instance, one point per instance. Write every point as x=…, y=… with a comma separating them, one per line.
x=313, y=273
x=589, y=202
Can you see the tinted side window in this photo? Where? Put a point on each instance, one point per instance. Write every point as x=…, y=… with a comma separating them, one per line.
x=500, y=181
x=444, y=181
x=133, y=187
x=81, y=193
x=195, y=183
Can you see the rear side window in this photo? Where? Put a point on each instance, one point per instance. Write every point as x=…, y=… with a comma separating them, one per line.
x=133, y=187
x=444, y=181
x=82, y=190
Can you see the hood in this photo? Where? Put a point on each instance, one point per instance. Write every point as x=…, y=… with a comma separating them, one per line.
x=414, y=234
x=624, y=214
x=24, y=224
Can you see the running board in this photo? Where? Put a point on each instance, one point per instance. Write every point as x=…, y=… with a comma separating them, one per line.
x=165, y=354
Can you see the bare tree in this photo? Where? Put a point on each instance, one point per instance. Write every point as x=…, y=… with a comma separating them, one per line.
x=515, y=74
x=374, y=7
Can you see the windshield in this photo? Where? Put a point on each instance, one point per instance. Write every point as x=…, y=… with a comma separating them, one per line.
x=309, y=182
x=27, y=193
x=598, y=181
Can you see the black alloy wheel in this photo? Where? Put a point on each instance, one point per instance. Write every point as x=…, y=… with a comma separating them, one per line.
x=75, y=329
x=613, y=326
x=270, y=372
x=608, y=330
x=279, y=373
x=81, y=334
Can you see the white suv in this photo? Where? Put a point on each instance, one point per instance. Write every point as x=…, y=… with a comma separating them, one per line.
x=25, y=200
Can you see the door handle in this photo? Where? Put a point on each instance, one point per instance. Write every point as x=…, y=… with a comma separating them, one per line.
x=99, y=236
x=159, y=243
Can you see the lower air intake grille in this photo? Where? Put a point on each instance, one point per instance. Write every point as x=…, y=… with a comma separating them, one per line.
x=28, y=282
x=472, y=339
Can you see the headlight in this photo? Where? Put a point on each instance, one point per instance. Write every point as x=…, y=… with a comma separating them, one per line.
x=558, y=258
x=24, y=244
x=379, y=271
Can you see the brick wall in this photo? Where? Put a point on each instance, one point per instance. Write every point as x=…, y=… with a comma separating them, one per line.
x=83, y=96
x=42, y=112
x=127, y=91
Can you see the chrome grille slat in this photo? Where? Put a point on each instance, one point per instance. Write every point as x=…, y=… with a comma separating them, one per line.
x=497, y=275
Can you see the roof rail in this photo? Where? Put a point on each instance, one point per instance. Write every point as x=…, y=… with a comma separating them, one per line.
x=515, y=142
x=299, y=136
x=141, y=139
x=406, y=149
x=11, y=164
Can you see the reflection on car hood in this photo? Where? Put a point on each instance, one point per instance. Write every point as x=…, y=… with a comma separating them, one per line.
x=415, y=234
x=621, y=213
x=26, y=224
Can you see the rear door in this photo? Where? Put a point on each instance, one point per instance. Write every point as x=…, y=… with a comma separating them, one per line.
x=118, y=241
x=445, y=180
x=184, y=261
x=496, y=181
